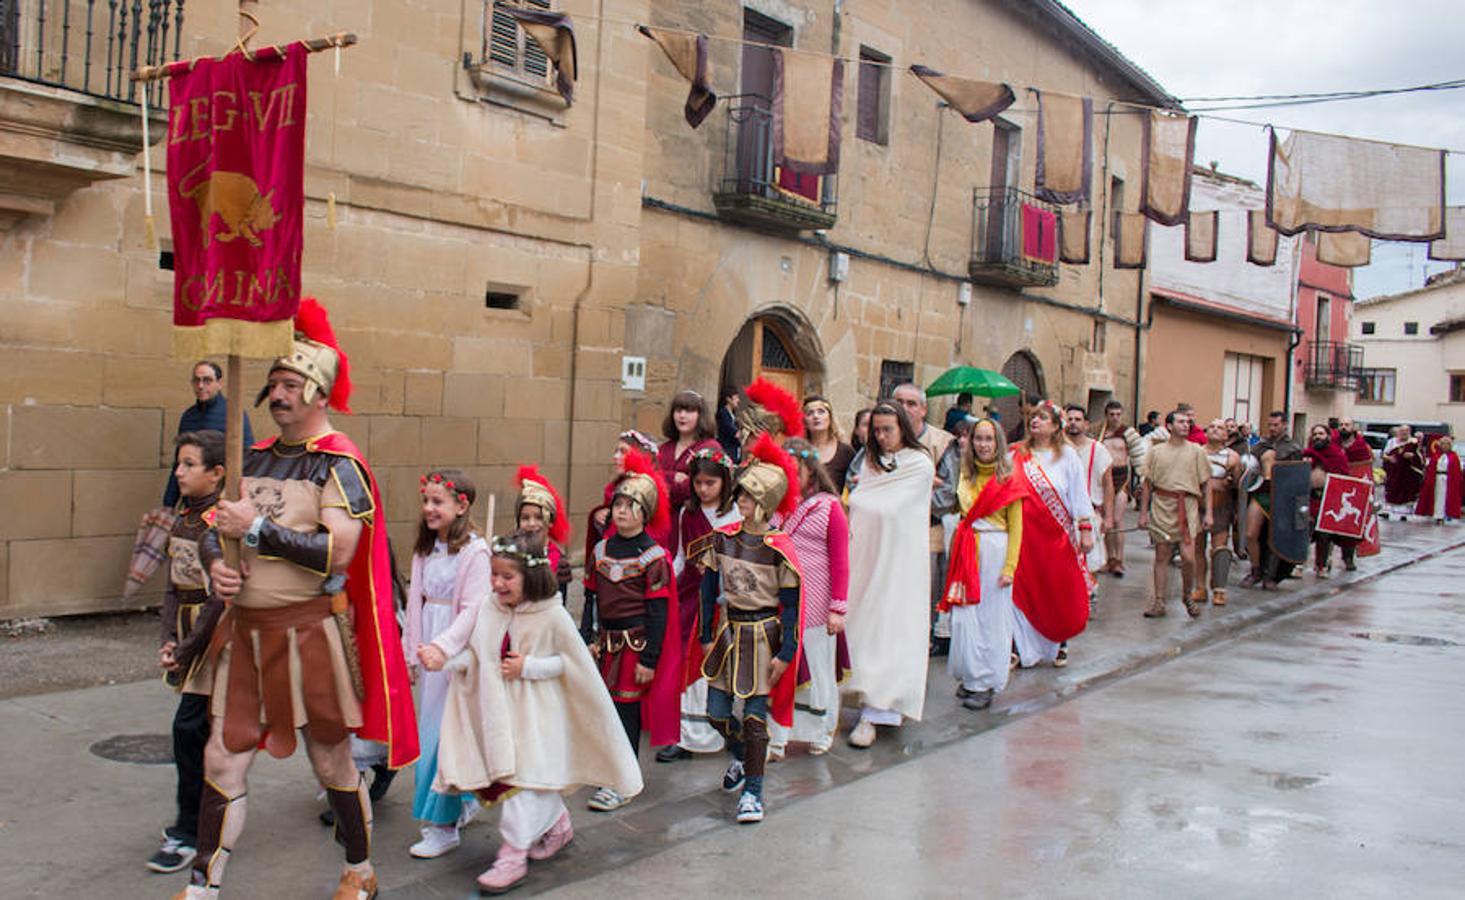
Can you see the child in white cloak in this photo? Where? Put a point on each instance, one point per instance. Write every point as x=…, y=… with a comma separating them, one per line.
x=528, y=716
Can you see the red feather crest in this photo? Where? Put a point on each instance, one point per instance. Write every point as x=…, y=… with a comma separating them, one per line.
x=639, y=464
x=314, y=322
x=766, y=450
x=779, y=402
x=559, y=528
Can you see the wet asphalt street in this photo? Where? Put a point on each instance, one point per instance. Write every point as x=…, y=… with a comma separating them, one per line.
x=1297, y=743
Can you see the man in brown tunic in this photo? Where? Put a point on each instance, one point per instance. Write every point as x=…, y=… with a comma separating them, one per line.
x=1176, y=473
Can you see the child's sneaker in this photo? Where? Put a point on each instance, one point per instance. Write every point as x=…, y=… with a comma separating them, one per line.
x=733, y=778
x=750, y=808
x=436, y=841
x=174, y=856
x=553, y=840
x=509, y=868
x=607, y=800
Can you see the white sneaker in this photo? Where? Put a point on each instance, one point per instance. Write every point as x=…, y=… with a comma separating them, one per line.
x=436, y=841
x=750, y=809
x=863, y=734
x=776, y=752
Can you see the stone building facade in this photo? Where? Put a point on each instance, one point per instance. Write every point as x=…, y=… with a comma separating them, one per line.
x=491, y=255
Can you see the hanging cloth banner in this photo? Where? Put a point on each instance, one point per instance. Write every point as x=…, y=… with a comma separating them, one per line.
x=1331, y=183
x=1344, y=248
x=1131, y=231
x=1261, y=239
x=977, y=101
x=688, y=53
x=1200, y=235
x=1167, y=150
x=1073, y=236
x=1065, y=147
x=1039, y=235
x=1451, y=248
x=555, y=35
x=236, y=199
x=808, y=93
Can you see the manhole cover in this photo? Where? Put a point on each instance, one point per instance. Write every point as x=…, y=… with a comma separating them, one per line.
x=1417, y=640
x=144, y=749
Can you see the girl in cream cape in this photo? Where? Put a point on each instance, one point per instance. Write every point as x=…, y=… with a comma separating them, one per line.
x=528, y=717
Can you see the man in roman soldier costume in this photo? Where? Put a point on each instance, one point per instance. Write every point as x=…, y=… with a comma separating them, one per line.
x=771, y=410
x=754, y=658
x=310, y=641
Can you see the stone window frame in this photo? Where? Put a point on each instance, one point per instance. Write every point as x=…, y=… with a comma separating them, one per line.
x=875, y=66
x=486, y=80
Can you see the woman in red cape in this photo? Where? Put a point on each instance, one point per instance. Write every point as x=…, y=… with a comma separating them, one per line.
x=1439, y=495
x=1051, y=588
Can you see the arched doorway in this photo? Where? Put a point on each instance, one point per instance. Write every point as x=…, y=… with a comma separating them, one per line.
x=1021, y=369
x=777, y=346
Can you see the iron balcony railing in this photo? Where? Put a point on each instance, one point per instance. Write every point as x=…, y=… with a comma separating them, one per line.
x=1014, y=239
x=1333, y=365
x=89, y=45
x=752, y=185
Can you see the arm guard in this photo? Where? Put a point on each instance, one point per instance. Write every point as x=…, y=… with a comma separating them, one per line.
x=308, y=549
x=587, y=617
x=788, y=617
x=710, y=583
x=655, y=631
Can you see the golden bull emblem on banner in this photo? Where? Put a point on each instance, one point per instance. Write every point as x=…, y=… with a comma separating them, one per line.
x=237, y=201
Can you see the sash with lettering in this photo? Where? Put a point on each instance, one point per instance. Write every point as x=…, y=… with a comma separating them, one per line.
x=236, y=155
x=1052, y=583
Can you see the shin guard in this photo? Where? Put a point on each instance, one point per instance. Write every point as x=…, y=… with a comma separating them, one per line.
x=755, y=747
x=1221, y=558
x=220, y=822
x=353, y=821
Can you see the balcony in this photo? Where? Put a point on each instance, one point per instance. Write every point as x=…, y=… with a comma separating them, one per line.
x=1014, y=239
x=68, y=112
x=1332, y=366
x=753, y=189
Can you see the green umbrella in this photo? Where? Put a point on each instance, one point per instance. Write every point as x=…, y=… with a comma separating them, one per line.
x=974, y=381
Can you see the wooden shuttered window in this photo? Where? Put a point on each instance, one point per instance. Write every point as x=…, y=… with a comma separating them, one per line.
x=872, y=115
x=507, y=46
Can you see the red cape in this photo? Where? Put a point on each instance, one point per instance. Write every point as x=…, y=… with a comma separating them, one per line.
x=387, y=714
x=1050, y=586
x=963, y=571
x=1425, y=506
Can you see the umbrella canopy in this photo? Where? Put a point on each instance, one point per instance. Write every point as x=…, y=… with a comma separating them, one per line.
x=974, y=381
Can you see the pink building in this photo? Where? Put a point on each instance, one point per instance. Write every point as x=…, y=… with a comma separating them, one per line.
x=1326, y=368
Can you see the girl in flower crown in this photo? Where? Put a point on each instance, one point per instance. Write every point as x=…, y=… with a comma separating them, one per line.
x=528, y=717
x=450, y=578
x=710, y=507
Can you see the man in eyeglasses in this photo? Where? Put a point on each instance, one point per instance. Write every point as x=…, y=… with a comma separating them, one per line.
x=208, y=413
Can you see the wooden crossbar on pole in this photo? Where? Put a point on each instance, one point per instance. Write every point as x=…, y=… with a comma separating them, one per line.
x=270, y=51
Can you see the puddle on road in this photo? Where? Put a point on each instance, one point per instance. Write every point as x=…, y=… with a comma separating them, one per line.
x=1415, y=640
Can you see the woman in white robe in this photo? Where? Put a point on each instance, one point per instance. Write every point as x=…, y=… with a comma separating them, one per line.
x=888, y=623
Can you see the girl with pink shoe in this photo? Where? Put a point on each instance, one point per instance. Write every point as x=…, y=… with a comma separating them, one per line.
x=528, y=717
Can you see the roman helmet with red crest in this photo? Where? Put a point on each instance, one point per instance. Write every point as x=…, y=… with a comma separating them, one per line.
x=770, y=478
x=536, y=490
x=770, y=410
x=317, y=358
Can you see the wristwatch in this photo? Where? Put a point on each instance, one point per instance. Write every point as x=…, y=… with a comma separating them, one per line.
x=251, y=537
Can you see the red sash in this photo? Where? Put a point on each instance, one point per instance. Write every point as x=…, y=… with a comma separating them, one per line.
x=1052, y=585
x=963, y=567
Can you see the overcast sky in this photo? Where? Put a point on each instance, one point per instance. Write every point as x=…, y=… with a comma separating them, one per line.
x=1206, y=48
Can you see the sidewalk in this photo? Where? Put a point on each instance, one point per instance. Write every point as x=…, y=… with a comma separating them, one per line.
x=57, y=792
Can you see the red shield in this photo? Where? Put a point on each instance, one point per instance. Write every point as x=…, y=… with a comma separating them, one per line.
x=1346, y=506
x=1370, y=545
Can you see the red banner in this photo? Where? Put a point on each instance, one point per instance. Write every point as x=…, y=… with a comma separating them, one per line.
x=236, y=155
x=1346, y=506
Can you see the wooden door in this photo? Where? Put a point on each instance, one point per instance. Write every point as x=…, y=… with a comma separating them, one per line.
x=775, y=359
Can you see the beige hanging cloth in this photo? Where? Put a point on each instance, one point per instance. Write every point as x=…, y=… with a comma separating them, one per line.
x=1451, y=248
x=688, y=53
x=1344, y=248
x=1200, y=235
x=1166, y=153
x=1331, y=183
x=1065, y=147
x=1261, y=239
x=808, y=93
x=1131, y=231
x=977, y=101
x=1073, y=236
x=555, y=35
